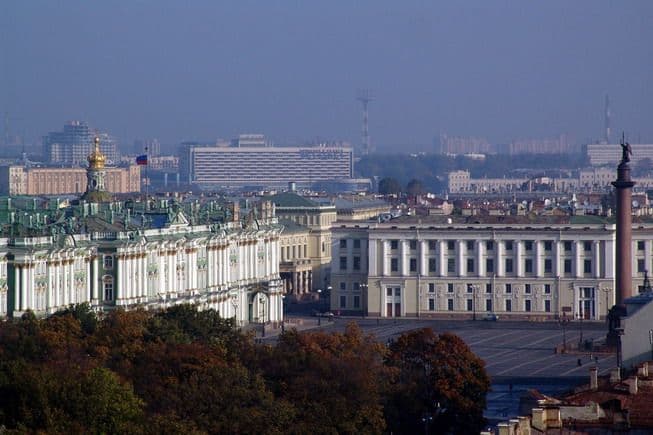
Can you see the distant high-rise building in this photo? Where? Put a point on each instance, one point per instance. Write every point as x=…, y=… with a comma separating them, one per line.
x=72, y=145
x=151, y=147
x=463, y=145
x=610, y=154
x=210, y=165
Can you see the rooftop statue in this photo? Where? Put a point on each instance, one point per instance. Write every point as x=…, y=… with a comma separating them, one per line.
x=626, y=151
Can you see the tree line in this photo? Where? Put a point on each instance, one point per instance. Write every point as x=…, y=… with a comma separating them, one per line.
x=432, y=169
x=187, y=371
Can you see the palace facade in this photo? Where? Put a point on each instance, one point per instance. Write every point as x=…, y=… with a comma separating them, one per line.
x=479, y=266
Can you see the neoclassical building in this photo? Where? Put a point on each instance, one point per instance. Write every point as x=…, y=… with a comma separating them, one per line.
x=150, y=254
x=318, y=218
x=517, y=267
x=229, y=267
x=295, y=267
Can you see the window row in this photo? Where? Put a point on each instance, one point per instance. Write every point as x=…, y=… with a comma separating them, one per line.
x=489, y=244
x=507, y=306
x=474, y=288
x=356, y=243
x=489, y=265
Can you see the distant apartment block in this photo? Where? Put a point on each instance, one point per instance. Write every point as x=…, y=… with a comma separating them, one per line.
x=610, y=154
x=207, y=165
x=71, y=146
x=22, y=180
x=558, y=145
x=587, y=179
x=463, y=145
x=461, y=182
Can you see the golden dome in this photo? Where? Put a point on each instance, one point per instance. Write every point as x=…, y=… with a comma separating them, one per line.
x=96, y=159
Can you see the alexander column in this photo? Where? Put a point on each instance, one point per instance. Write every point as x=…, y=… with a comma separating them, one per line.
x=624, y=274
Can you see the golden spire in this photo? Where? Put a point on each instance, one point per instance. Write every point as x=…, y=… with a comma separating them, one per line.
x=96, y=159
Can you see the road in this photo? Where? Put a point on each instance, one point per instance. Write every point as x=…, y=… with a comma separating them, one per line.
x=509, y=349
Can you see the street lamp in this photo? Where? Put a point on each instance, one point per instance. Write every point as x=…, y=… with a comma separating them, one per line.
x=426, y=419
x=283, y=313
x=234, y=302
x=319, y=307
x=581, y=315
x=327, y=297
x=563, y=323
x=607, y=303
x=364, y=299
x=261, y=300
x=474, y=288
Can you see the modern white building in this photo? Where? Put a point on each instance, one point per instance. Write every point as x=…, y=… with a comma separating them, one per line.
x=432, y=266
x=610, y=154
x=264, y=166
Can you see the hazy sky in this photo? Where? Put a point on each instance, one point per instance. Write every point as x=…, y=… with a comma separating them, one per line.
x=180, y=70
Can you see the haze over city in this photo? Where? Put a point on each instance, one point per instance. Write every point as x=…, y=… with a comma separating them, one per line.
x=202, y=70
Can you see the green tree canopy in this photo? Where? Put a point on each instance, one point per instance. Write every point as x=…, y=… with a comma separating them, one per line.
x=389, y=186
x=414, y=187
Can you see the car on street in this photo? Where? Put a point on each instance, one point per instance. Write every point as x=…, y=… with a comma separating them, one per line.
x=491, y=317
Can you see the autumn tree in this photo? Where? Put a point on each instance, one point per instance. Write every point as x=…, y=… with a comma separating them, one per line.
x=333, y=380
x=437, y=379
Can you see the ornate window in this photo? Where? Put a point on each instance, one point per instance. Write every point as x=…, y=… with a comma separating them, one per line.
x=107, y=283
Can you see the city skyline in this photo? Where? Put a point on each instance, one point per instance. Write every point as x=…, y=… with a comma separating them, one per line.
x=503, y=71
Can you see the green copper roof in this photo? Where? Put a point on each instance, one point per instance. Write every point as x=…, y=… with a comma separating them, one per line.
x=289, y=199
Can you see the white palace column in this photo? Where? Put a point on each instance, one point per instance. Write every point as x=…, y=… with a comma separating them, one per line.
x=480, y=257
x=118, y=288
x=539, y=259
x=95, y=279
x=519, y=260
x=423, y=253
x=384, y=257
x=142, y=274
x=460, y=249
x=499, y=260
x=49, y=301
x=27, y=285
x=557, y=258
x=596, y=259
x=65, y=288
x=442, y=258
x=609, y=256
x=578, y=267
x=403, y=258
x=373, y=260
x=23, y=287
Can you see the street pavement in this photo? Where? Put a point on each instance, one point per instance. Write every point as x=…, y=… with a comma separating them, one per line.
x=510, y=349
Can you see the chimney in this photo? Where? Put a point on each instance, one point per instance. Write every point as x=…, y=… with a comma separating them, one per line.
x=615, y=375
x=642, y=370
x=594, y=378
x=539, y=422
x=632, y=385
x=553, y=418
x=524, y=425
x=506, y=428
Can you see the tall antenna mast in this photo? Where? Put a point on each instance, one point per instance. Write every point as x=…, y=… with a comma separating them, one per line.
x=607, y=119
x=365, y=96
